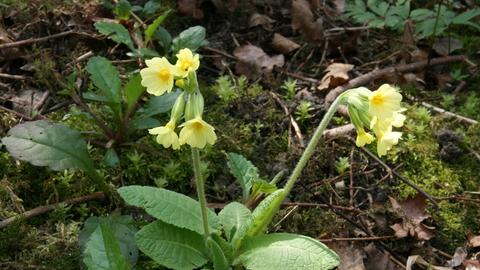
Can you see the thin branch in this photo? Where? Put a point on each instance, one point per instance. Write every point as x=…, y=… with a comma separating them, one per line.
x=34, y=40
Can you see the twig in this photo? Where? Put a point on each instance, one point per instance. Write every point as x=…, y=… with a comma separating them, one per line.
x=14, y=77
x=333, y=94
x=375, y=238
x=99, y=196
x=436, y=109
x=42, y=101
x=292, y=120
x=312, y=205
x=34, y=40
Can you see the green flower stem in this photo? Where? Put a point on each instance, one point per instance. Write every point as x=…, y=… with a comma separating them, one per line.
x=312, y=144
x=200, y=189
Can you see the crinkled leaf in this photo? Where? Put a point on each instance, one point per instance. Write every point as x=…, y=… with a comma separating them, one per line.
x=106, y=77
x=170, y=207
x=260, y=185
x=171, y=246
x=44, y=143
x=103, y=252
x=164, y=39
x=146, y=122
x=191, y=38
x=161, y=104
x=111, y=159
x=122, y=9
x=122, y=35
x=133, y=90
x=233, y=217
x=154, y=26
x=286, y=251
x=239, y=167
x=219, y=259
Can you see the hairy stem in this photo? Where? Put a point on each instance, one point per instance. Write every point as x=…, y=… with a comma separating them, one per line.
x=200, y=189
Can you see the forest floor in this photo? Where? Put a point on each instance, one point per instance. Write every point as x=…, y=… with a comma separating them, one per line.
x=269, y=72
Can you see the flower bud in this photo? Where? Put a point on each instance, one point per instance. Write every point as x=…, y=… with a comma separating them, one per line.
x=178, y=107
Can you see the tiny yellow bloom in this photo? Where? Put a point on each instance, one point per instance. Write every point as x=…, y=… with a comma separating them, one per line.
x=386, y=141
x=363, y=137
x=158, y=77
x=197, y=133
x=186, y=62
x=385, y=126
x=384, y=102
x=166, y=135
x=398, y=118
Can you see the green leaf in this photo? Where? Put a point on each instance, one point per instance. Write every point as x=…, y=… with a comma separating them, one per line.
x=286, y=252
x=164, y=39
x=171, y=246
x=219, y=259
x=466, y=16
x=96, y=97
x=170, y=207
x=261, y=186
x=376, y=23
x=161, y=104
x=420, y=14
x=145, y=122
x=63, y=92
x=122, y=9
x=150, y=8
x=44, y=143
x=122, y=35
x=105, y=76
x=154, y=26
x=380, y=9
x=361, y=18
x=142, y=53
x=191, y=38
x=103, y=251
x=111, y=159
x=71, y=80
x=239, y=167
x=233, y=217
x=400, y=10
x=133, y=90
x=394, y=22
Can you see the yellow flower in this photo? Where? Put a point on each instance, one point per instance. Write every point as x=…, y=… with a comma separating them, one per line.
x=363, y=137
x=186, y=62
x=158, y=77
x=166, y=135
x=197, y=133
x=386, y=141
x=385, y=126
x=384, y=102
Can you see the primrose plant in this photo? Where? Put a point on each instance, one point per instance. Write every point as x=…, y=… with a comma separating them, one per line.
x=187, y=235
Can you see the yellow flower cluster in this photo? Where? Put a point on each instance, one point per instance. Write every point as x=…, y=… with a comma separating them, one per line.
x=158, y=78
x=379, y=111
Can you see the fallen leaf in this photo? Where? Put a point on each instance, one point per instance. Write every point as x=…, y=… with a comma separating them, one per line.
x=443, y=79
x=314, y=32
x=253, y=61
x=376, y=260
x=458, y=257
x=283, y=44
x=411, y=214
x=8, y=53
x=259, y=19
x=336, y=74
x=473, y=240
x=301, y=14
x=351, y=254
x=190, y=8
x=447, y=45
x=417, y=259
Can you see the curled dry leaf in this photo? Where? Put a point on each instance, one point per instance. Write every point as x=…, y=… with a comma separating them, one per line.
x=253, y=61
x=259, y=19
x=190, y=8
x=336, y=74
x=301, y=14
x=411, y=214
x=445, y=46
x=376, y=260
x=351, y=255
x=8, y=53
x=283, y=44
x=473, y=240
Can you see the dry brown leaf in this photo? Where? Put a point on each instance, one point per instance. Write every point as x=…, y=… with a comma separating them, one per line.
x=377, y=260
x=314, y=32
x=459, y=256
x=351, y=254
x=253, y=61
x=336, y=74
x=283, y=44
x=443, y=79
x=190, y=8
x=259, y=19
x=411, y=214
x=473, y=240
x=302, y=15
x=445, y=46
x=8, y=53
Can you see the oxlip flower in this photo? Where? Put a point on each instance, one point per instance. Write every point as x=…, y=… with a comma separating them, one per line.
x=197, y=133
x=166, y=135
x=158, y=77
x=186, y=62
x=396, y=120
x=363, y=137
x=384, y=102
x=386, y=140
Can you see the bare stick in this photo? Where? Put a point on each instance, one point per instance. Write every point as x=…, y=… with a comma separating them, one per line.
x=333, y=94
x=292, y=120
x=34, y=40
x=99, y=196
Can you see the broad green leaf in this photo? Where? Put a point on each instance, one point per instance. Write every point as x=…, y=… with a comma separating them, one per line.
x=150, y=8
x=191, y=38
x=154, y=26
x=361, y=18
x=93, y=96
x=376, y=23
x=285, y=252
x=233, y=217
x=121, y=229
x=122, y=35
x=239, y=167
x=142, y=53
x=133, y=90
x=122, y=9
x=44, y=143
x=111, y=159
x=400, y=10
x=380, y=9
x=170, y=207
x=105, y=76
x=164, y=39
x=466, y=16
x=394, y=22
x=171, y=246
x=146, y=122
x=223, y=244
x=103, y=252
x=71, y=80
x=161, y=104
x=420, y=14
x=261, y=186
x=219, y=259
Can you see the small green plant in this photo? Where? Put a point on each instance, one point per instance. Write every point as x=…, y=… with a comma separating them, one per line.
x=380, y=14
x=225, y=89
x=289, y=85
x=303, y=110
x=447, y=100
x=458, y=76
x=423, y=114
x=342, y=164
